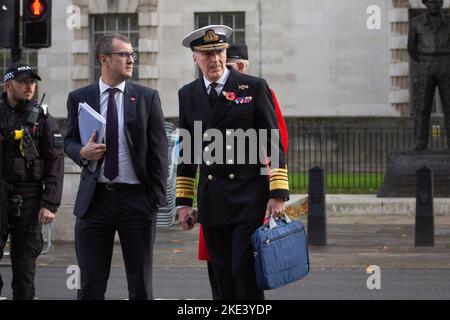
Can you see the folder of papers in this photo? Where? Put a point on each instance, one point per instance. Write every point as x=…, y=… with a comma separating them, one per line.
x=89, y=121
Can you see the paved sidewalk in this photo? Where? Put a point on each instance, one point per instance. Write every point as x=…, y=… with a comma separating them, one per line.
x=353, y=242
x=370, y=204
x=338, y=270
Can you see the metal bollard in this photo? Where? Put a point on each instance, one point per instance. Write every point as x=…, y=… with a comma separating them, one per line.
x=424, y=233
x=317, y=233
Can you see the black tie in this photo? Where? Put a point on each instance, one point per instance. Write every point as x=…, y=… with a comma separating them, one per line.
x=112, y=138
x=212, y=96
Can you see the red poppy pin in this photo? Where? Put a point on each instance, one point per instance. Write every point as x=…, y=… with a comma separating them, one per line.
x=231, y=96
x=133, y=99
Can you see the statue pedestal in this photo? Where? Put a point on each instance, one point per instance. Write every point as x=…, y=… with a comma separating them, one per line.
x=400, y=178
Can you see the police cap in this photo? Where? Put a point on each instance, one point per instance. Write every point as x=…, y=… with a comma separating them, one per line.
x=19, y=71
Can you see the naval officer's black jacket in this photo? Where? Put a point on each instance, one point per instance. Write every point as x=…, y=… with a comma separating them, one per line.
x=229, y=192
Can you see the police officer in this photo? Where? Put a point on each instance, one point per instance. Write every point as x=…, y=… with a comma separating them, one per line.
x=33, y=161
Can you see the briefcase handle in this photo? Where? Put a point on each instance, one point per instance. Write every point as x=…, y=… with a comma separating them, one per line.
x=273, y=224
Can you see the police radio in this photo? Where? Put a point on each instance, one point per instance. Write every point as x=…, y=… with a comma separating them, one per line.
x=27, y=132
x=35, y=112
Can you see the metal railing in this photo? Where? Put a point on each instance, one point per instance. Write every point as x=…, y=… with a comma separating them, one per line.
x=354, y=159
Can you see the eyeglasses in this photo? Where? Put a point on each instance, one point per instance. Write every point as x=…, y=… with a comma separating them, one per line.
x=125, y=55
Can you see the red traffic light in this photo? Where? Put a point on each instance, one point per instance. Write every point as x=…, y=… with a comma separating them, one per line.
x=37, y=8
x=37, y=23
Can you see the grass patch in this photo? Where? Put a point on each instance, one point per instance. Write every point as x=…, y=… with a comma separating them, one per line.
x=336, y=183
x=350, y=183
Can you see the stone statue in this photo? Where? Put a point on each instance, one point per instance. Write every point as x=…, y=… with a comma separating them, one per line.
x=429, y=48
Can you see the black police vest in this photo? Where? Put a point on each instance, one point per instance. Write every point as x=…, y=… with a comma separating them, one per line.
x=17, y=168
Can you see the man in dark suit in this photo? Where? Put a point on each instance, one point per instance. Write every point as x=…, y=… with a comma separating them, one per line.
x=129, y=183
x=233, y=193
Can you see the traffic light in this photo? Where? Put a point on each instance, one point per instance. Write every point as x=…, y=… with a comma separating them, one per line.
x=37, y=23
x=8, y=23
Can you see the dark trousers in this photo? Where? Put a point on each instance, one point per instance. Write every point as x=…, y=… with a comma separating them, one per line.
x=213, y=282
x=129, y=213
x=2, y=247
x=429, y=73
x=232, y=260
x=26, y=246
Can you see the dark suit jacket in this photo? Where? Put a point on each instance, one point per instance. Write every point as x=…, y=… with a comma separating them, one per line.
x=230, y=193
x=145, y=136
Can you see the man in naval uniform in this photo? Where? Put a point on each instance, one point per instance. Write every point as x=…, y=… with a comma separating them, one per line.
x=234, y=194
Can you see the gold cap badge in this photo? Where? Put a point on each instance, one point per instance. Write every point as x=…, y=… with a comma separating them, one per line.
x=210, y=36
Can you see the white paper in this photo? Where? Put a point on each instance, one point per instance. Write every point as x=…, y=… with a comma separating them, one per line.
x=89, y=121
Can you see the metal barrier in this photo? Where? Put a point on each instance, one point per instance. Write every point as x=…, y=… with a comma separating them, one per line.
x=47, y=237
x=167, y=215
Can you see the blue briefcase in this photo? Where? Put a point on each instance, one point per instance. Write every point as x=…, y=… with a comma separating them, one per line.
x=281, y=253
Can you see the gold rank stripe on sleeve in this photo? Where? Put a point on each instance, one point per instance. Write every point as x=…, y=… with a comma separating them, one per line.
x=182, y=194
x=282, y=176
x=185, y=187
x=186, y=180
x=276, y=171
x=278, y=175
x=279, y=184
x=279, y=179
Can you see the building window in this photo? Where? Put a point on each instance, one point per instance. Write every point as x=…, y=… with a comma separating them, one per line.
x=29, y=56
x=126, y=24
x=234, y=20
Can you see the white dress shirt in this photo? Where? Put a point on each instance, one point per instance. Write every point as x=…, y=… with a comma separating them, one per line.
x=220, y=82
x=126, y=170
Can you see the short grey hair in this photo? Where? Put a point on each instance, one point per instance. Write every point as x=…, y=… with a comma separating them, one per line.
x=246, y=63
x=104, y=44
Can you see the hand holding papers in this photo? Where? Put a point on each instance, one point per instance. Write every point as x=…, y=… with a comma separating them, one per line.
x=90, y=121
